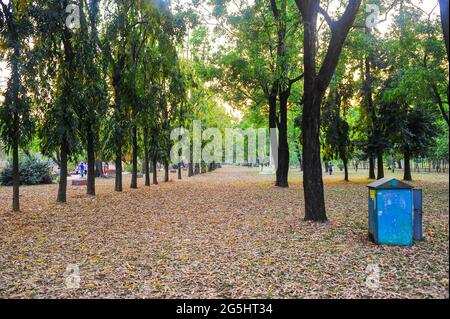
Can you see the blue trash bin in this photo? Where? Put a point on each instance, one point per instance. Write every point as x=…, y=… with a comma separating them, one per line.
x=391, y=212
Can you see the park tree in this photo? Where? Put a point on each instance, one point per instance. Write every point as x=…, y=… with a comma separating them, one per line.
x=416, y=136
x=416, y=48
x=148, y=107
x=139, y=39
x=336, y=128
x=116, y=46
x=411, y=128
x=262, y=66
x=94, y=94
x=16, y=124
x=315, y=85
x=58, y=95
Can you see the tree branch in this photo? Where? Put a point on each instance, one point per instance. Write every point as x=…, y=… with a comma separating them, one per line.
x=439, y=101
x=331, y=23
x=338, y=37
x=275, y=10
x=298, y=78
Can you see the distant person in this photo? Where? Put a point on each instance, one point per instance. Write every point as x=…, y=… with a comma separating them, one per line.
x=82, y=169
x=105, y=169
x=330, y=169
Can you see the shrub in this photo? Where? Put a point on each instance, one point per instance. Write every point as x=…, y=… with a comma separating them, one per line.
x=32, y=171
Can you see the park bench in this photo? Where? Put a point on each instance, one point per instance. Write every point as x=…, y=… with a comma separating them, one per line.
x=79, y=182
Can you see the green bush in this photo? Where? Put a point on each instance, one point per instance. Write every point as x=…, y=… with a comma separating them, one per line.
x=32, y=172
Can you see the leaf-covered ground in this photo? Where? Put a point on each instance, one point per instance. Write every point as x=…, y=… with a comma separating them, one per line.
x=226, y=234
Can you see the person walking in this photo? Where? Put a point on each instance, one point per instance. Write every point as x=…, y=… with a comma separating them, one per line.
x=82, y=168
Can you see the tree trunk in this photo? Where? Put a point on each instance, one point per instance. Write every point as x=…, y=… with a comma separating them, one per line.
x=273, y=125
x=312, y=176
x=91, y=163
x=146, y=159
x=371, y=167
x=380, y=173
x=197, y=169
x=180, y=177
x=445, y=22
x=134, y=179
x=166, y=173
x=16, y=178
x=368, y=99
x=62, y=189
x=400, y=165
x=191, y=170
x=119, y=185
x=444, y=7
x=312, y=180
x=346, y=169
x=283, y=149
x=315, y=86
x=407, y=174
x=99, y=169
x=155, y=170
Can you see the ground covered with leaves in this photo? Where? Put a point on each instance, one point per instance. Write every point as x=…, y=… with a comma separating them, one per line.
x=226, y=234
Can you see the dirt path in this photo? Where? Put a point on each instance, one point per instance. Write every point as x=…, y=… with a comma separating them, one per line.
x=225, y=234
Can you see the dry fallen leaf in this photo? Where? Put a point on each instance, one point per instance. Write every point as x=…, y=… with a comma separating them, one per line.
x=227, y=234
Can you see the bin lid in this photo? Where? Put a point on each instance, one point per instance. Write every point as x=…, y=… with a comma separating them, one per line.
x=389, y=183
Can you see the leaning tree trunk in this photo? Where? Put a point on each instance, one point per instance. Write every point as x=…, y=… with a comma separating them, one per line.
x=16, y=177
x=407, y=173
x=445, y=22
x=91, y=162
x=444, y=7
x=380, y=164
x=62, y=189
x=134, y=179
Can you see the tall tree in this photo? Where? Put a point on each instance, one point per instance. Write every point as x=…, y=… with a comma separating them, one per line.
x=16, y=126
x=283, y=91
x=315, y=85
x=262, y=66
x=59, y=91
x=336, y=127
x=94, y=94
x=116, y=48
